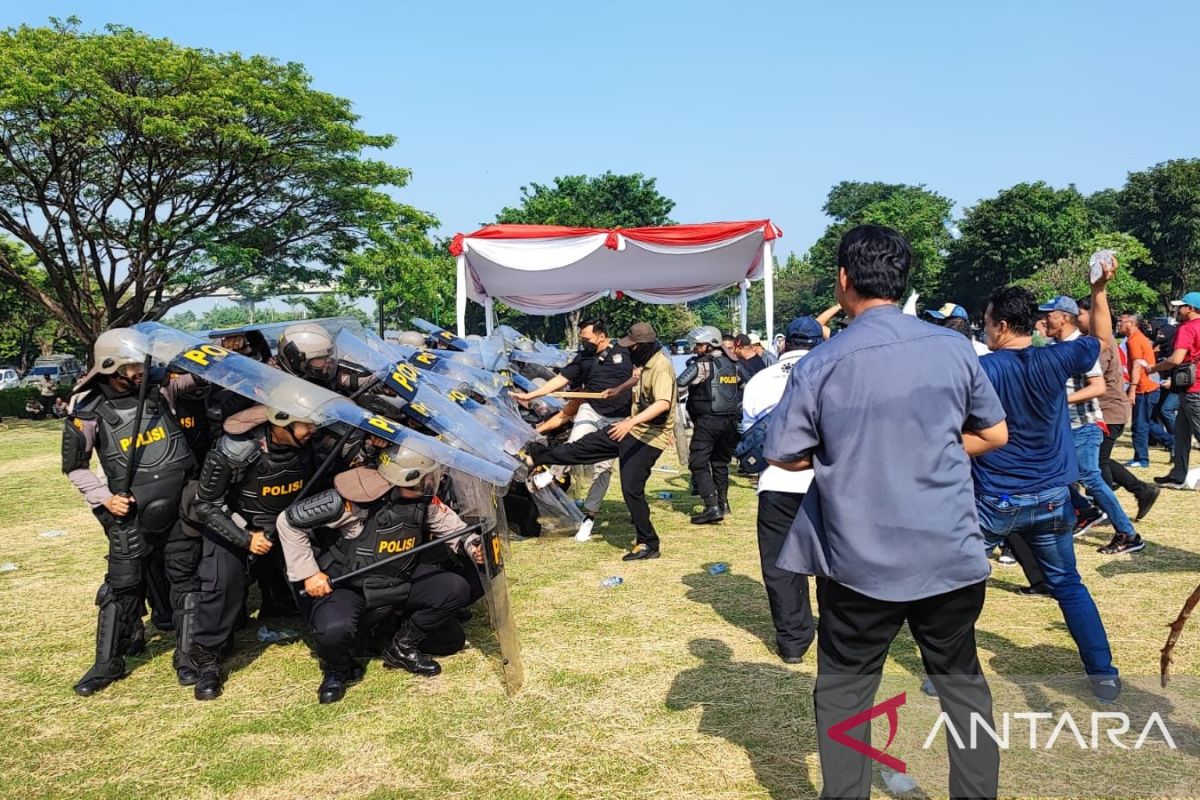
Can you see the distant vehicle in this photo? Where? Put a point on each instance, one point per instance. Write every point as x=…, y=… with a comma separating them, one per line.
x=67, y=363
x=59, y=373
x=9, y=378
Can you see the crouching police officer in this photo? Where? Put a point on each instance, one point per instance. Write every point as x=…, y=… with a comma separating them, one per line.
x=714, y=404
x=373, y=513
x=254, y=471
x=144, y=524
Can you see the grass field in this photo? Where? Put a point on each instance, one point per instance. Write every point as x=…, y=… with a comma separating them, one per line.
x=665, y=687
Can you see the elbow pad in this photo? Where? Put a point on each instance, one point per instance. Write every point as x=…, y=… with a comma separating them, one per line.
x=322, y=508
x=74, y=447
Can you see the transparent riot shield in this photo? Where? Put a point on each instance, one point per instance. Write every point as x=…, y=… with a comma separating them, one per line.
x=263, y=384
x=495, y=592
x=488, y=384
x=442, y=335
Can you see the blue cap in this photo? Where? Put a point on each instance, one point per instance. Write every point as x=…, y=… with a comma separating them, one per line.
x=1061, y=303
x=805, y=328
x=1190, y=299
x=946, y=312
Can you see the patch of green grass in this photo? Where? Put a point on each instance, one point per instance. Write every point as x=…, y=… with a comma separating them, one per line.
x=664, y=687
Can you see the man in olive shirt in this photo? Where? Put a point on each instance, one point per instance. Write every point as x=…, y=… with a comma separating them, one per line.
x=636, y=441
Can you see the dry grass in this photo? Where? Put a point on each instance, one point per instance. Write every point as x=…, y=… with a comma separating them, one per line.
x=665, y=687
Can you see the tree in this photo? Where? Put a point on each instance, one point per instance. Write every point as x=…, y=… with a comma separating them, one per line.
x=28, y=330
x=1008, y=237
x=801, y=288
x=328, y=305
x=1161, y=207
x=921, y=215
x=1069, y=275
x=604, y=201
x=142, y=174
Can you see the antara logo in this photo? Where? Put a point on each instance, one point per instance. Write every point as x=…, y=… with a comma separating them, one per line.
x=890, y=708
x=282, y=489
x=156, y=434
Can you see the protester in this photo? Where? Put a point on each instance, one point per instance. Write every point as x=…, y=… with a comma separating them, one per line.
x=729, y=346
x=1022, y=488
x=636, y=441
x=1084, y=389
x=768, y=356
x=1143, y=388
x=954, y=317
x=1186, y=352
x=780, y=494
x=60, y=407
x=884, y=487
x=1163, y=424
x=601, y=365
x=749, y=362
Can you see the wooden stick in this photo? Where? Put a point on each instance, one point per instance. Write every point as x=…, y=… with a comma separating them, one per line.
x=578, y=395
x=1176, y=629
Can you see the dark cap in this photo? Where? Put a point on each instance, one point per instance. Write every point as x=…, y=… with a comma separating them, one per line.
x=805, y=328
x=639, y=333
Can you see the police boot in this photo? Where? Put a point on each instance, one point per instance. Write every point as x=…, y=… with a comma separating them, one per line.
x=185, y=671
x=336, y=678
x=110, y=664
x=725, y=509
x=208, y=673
x=402, y=653
x=137, y=640
x=711, y=514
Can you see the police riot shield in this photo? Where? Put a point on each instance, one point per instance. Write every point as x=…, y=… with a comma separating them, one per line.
x=522, y=348
x=425, y=402
x=495, y=592
x=444, y=336
x=682, y=447
x=263, y=384
x=523, y=384
x=557, y=512
x=488, y=384
x=496, y=415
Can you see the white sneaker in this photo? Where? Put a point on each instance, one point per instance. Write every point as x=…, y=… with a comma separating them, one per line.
x=543, y=479
x=585, y=530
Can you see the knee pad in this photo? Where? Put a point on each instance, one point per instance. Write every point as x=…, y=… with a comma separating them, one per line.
x=125, y=575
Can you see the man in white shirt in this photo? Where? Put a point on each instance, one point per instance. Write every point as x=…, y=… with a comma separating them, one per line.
x=780, y=493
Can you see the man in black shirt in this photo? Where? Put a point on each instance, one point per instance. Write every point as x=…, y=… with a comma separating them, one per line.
x=601, y=366
x=749, y=362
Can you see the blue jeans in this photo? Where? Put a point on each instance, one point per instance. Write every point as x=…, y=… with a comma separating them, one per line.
x=1088, y=439
x=1143, y=409
x=1163, y=428
x=1045, y=520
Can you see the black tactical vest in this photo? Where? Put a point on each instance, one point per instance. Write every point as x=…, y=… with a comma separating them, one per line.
x=393, y=527
x=161, y=450
x=192, y=415
x=722, y=393
x=271, y=484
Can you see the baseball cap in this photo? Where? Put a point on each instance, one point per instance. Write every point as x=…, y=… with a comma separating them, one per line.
x=755, y=339
x=805, y=328
x=1061, y=303
x=639, y=333
x=946, y=312
x=1190, y=299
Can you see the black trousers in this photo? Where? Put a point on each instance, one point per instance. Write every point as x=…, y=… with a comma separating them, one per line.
x=435, y=597
x=224, y=581
x=636, y=459
x=714, y=437
x=1114, y=472
x=787, y=592
x=855, y=632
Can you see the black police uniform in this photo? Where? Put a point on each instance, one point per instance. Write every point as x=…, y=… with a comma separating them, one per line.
x=163, y=464
x=608, y=369
x=714, y=405
x=245, y=473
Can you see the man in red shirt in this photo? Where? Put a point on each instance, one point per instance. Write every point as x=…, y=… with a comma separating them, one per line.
x=1187, y=424
x=1143, y=389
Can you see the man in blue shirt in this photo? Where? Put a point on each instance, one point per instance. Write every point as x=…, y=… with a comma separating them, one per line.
x=1022, y=488
x=887, y=414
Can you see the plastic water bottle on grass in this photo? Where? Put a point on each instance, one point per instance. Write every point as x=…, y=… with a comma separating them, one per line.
x=665, y=495
x=718, y=568
x=611, y=581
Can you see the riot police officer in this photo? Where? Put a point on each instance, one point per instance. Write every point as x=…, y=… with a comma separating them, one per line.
x=144, y=523
x=370, y=514
x=714, y=404
x=307, y=351
x=254, y=472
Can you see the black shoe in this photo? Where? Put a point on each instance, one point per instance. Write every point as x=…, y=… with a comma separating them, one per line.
x=402, y=655
x=100, y=677
x=1040, y=589
x=1106, y=690
x=1147, y=501
x=711, y=515
x=1087, y=519
x=1167, y=482
x=928, y=689
x=640, y=552
x=187, y=675
x=333, y=685
x=1122, y=543
x=790, y=656
x=725, y=509
x=208, y=683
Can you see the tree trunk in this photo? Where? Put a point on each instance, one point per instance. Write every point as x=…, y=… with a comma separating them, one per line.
x=573, y=319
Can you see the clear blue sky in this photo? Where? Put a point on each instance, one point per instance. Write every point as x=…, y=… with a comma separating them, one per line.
x=740, y=110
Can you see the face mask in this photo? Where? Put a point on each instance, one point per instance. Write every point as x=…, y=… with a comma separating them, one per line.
x=642, y=352
x=588, y=348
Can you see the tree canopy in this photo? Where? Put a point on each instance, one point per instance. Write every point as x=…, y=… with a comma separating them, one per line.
x=1161, y=207
x=141, y=174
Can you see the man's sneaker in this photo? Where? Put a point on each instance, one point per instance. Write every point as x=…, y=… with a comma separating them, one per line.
x=1146, y=501
x=1167, y=482
x=585, y=530
x=928, y=689
x=1136, y=464
x=1106, y=690
x=1006, y=558
x=1087, y=519
x=1041, y=590
x=1123, y=543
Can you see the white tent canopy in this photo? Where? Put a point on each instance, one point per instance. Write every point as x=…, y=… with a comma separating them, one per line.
x=548, y=269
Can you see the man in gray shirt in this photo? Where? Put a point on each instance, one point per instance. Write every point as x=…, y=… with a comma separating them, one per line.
x=888, y=414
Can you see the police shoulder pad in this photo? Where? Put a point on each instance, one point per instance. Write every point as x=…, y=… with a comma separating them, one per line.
x=240, y=449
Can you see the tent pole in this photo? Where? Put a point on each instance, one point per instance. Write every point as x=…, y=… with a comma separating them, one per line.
x=769, y=289
x=460, y=294
x=489, y=321
x=743, y=305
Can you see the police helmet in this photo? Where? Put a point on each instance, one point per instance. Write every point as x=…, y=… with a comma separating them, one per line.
x=119, y=347
x=403, y=467
x=412, y=339
x=291, y=402
x=704, y=334
x=303, y=344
